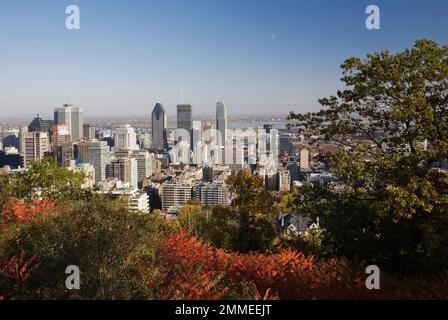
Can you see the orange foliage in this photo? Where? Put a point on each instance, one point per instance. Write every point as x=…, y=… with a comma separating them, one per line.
x=15, y=210
x=193, y=269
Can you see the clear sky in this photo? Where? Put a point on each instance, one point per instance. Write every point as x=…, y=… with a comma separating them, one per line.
x=259, y=56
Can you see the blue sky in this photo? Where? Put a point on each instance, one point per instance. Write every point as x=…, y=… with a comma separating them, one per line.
x=260, y=56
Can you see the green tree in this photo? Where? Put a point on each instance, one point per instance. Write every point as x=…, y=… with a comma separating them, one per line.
x=192, y=218
x=43, y=179
x=248, y=223
x=395, y=203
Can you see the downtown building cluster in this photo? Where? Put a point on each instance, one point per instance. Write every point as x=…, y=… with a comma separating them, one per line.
x=168, y=167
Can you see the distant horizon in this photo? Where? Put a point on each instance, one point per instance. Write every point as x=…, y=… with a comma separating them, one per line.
x=49, y=115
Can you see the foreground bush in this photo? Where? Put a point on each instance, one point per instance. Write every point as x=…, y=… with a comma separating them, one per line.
x=124, y=255
x=99, y=236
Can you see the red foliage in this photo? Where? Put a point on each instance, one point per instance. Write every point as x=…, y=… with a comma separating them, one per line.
x=15, y=210
x=18, y=267
x=193, y=269
x=15, y=271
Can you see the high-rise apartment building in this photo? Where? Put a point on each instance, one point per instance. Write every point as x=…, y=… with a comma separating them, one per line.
x=221, y=123
x=174, y=194
x=144, y=161
x=212, y=194
x=124, y=169
x=71, y=116
x=36, y=146
x=144, y=164
x=158, y=127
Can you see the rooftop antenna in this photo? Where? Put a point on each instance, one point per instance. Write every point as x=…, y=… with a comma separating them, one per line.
x=182, y=95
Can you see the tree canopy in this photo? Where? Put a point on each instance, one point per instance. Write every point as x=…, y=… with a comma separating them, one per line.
x=392, y=121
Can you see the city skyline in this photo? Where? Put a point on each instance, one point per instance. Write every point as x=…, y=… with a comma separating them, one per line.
x=257, y=61
x=177, y=151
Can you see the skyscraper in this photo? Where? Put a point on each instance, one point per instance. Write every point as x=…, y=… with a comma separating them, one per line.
x=158, y=125
x=185, y=118
x=71, y=116
x=221, y=123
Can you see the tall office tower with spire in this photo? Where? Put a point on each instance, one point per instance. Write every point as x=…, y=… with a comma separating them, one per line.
x=71, y=116
x=221, y=123
x=185, y=119
x=159, y=124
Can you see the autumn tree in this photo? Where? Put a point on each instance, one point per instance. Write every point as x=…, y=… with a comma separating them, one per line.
x=192, y=218
x=99, y=235
x=248, y=223
x=392, y=121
